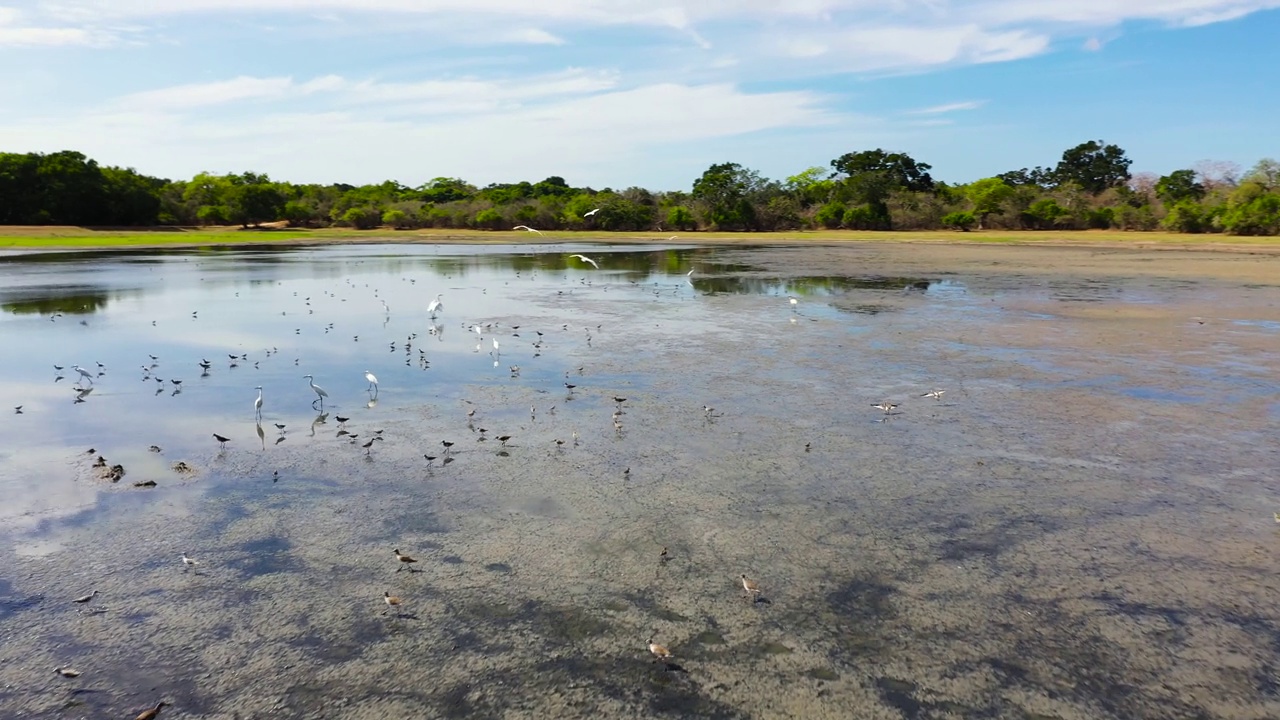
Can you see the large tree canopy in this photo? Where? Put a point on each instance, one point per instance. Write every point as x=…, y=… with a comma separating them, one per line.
x=1094, y=166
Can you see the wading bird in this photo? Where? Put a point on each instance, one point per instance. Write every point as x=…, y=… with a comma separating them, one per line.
x=589, y=214
x=373, y=381
x=435, y=307
x=586, y=259
x=320, y=393
x=405, y=561
x=221, y=440
x=257, y=404
x=153, y=713
x=83, y=373
x=526, y=227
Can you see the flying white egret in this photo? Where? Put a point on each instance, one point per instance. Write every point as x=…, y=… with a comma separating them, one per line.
x=320, y=393
x=526, y=227
x=589, y=214
x=83, y=373
x=435, y=307
x=257, y=404
x=586, y=259
x=373, y=381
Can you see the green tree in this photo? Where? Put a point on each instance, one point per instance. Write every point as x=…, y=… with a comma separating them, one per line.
x=831, y=215
x=871, y=176
x=489, y=219
x=1094, y=166
x=1044, y=214
x=255, y=202
x=443, y=190
x=1252, y=210
x=810, y=187
x=298, y=213
x=397, y=219
x=362, y=218
x=680, y=217
x=1185, y=216
x=725, y=191
x=961, y=220
x=988, y=198
x=1178, y=186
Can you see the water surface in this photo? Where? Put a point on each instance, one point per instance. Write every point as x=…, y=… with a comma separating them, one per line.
x=1070, y=532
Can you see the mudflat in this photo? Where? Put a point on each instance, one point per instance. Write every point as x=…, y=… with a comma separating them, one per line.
x=1080, y=526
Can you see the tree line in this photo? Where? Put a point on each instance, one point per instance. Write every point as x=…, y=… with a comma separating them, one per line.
x=1090, y=187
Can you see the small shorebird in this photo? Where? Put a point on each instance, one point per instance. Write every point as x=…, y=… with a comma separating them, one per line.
x=750, y=587
x=67, y=672
x=368, y=447
x=391, y=601
x=151, y=714
x=619, y=400
x=935, y=394
x=886, y=406
x=663, y=556
x=341, y=420
x=503, y=439
x=222, y=441
x=660, y=652
x=86, y=598
x=447, y=444
x=154, y=448
x=188, y=562
x=405, y=561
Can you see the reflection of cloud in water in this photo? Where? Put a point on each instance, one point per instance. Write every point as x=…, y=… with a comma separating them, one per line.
x=40, y=483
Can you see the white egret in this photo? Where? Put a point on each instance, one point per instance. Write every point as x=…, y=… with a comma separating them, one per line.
x=586, y=259
x=320, y=393
x=526, y=227
x=794, y=303
x=435, y=307
x=495, y=347
x=589, y=214
x=373, y=380
x=257, y=404
x=83, y=373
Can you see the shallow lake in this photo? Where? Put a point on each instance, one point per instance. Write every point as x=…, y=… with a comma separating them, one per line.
x=1078, y=527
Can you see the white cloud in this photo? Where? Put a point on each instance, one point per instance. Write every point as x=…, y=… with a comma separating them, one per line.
x=949, y=107
x=573, y=124
x=532, y=36
x=205, y=94
x=14, y=32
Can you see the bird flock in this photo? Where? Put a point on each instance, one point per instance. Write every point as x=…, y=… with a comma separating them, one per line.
x=87, y=379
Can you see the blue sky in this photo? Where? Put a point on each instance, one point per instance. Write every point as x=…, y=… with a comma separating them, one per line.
x=633, y=92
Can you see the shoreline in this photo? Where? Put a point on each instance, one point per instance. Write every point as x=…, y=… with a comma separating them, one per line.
x=26, y=239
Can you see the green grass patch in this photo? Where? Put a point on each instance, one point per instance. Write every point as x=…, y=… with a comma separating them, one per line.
x=36, y=238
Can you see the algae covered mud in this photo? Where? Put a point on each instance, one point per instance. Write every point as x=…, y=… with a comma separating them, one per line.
x=1079, y=527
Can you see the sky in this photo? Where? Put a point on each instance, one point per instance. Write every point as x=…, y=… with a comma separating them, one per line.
x=617, y=93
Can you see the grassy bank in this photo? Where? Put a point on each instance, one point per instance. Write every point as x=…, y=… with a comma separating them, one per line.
x=65, y=237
